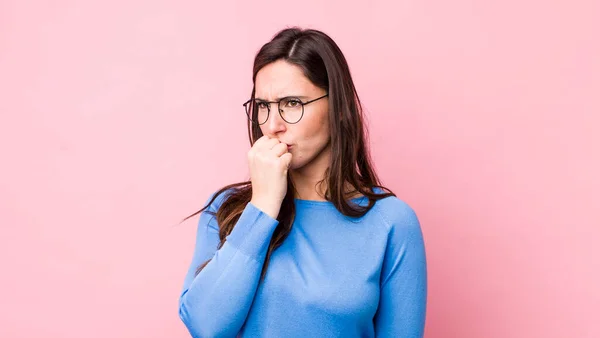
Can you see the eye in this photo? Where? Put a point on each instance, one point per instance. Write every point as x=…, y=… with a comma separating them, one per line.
x=292, y=103
x=261, y=105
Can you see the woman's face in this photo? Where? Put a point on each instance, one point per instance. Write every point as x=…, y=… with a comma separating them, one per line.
x=309, y=138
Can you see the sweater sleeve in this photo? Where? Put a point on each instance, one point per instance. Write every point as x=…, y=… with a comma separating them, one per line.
x=403, y=298
x=216, y=302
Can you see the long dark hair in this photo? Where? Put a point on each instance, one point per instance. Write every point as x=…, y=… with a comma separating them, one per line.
x=323, y=63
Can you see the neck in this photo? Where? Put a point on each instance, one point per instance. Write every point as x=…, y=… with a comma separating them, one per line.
x=310, y=181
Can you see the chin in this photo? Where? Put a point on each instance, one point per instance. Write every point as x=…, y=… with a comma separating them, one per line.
x=295, y=165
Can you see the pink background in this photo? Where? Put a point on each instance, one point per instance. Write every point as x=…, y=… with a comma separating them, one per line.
x=119, y=118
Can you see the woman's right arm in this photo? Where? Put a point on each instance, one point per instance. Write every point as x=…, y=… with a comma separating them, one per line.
x=216, y=302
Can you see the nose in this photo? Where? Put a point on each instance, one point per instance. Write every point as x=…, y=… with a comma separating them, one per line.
x=275, y=124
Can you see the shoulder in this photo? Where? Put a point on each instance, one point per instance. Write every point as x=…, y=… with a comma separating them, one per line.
x=405, y=241
x=396, y=212
x=398, y=216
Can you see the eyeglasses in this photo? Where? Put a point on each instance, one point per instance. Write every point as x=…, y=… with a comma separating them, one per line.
x=290, y=108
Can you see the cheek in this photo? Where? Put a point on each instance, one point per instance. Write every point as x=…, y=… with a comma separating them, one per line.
x=315, y=132
x=322, y=128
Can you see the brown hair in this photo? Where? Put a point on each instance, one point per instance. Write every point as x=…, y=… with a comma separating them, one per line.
x=323, y=63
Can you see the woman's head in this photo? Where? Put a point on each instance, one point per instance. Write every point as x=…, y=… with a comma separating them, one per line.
x=307, y=65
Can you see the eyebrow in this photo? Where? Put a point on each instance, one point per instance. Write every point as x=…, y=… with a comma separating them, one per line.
x=301, y=97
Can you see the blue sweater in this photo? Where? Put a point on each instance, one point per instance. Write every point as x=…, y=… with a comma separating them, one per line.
x=333, y=276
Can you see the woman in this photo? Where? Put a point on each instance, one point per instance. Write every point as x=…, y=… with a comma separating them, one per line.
x=312, y=245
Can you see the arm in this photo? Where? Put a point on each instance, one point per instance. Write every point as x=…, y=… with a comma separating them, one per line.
x=403, y=299
x=216, y=302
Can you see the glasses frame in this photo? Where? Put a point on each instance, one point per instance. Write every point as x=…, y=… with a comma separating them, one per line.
x=279, y=108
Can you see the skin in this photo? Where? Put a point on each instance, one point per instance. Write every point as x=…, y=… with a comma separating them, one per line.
x=309, y=138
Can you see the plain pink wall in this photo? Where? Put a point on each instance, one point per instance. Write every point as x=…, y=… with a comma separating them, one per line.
x=119, y=118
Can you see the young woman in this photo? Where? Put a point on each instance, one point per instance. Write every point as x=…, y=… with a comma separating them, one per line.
x=312, y=245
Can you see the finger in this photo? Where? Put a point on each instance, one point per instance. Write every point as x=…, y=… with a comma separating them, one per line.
x=279, y=149
x=260, y=141
x=286, y=160
x=269, y=144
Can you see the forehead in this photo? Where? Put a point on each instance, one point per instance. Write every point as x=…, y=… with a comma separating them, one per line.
x=279, y=79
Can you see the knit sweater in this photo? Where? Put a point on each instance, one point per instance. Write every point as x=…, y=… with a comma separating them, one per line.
x=333, y=276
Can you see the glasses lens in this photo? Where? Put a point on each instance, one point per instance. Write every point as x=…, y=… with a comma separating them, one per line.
x=257, y=111
x=291, y=110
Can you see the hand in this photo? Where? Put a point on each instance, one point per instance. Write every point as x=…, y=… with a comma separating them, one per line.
x=269, y=161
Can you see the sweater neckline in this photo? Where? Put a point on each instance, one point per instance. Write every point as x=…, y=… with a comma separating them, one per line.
x=325, y=203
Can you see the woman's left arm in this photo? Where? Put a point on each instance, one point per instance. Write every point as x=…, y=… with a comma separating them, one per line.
x=403, y=296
